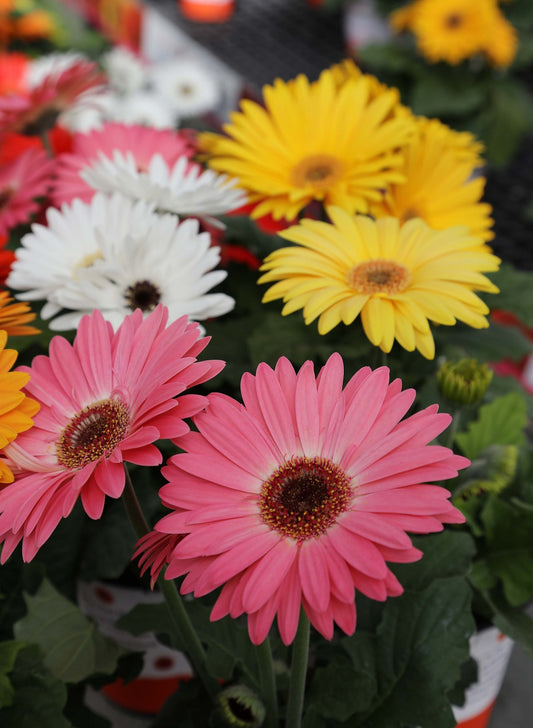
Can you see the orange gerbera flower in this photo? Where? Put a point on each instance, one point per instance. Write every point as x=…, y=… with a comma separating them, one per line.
x=14, y=317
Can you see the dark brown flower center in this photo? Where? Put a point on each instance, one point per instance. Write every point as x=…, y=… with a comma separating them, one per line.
x=93, y=433
x=5, y=195
x=144, y=295
x=319, y=171
x=43, y=122
x=378, y=276
x=453, y=21
x=304, y=497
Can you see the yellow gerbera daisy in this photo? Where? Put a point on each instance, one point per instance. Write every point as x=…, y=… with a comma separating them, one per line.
x=451, y=30
x=440, y=184
x=16, y=410
x=397, y=277
x=14, y=317
x=313, y=141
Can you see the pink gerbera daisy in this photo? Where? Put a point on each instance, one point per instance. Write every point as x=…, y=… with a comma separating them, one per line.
x=141, y=141
x=104, y=400
x=22, y=182
x=301, y=495
x=39, y=108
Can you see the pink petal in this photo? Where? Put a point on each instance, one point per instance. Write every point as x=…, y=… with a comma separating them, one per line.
x=267, y=575
x=314, y=574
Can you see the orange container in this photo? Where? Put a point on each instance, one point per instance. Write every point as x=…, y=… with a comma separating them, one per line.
x=207, y=11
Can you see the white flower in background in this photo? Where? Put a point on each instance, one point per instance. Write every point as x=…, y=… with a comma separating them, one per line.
x=116, y=255
x=187, y=86
x=49, y=256
x=142, y=107
x=125, y=71
x=184, y=188
x=163, y=261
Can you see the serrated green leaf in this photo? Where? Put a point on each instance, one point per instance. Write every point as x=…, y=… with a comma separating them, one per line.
x=513, y=622
x=329, y=695
x=421, y=644
x=8, y=654
x=485, y=345
x=501, y=422
x=39, y=697
x=71, y=643
x=509, y=548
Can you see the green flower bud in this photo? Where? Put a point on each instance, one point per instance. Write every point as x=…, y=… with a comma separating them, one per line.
x=240, y=707
x=464, y=382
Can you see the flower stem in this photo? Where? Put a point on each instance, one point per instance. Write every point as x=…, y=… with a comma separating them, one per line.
x=268, y=683
x=300, y=654
x=184, y=632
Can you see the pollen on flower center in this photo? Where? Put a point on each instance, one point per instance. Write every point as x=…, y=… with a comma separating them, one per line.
x=92, y=433
x=144, y=295
x=304, y=497
x=318, y=171
x=378, y=276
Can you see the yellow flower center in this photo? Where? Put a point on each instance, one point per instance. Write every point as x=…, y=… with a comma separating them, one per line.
x=319, y=171
x=93, y=432
x=378, y=276
x=88, y=260
x=304, y=497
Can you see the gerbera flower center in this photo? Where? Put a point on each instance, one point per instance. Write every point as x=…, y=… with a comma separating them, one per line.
x=44, y=121
x=319, y=171
x=5, y=195
x=378, y=276
x=144, y=295
x=92, y=433
x=304, y=497
x=453, y=21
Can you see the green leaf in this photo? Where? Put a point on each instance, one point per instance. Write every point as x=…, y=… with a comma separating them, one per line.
x=8, y=654
x=513, y=622
x=329, y=695
x=509, y=548
x=39, y=697
x=501, y=422
x=420, y=646
x=491, y=344
x=71, y=643
x=516, y=292
x=452, y=93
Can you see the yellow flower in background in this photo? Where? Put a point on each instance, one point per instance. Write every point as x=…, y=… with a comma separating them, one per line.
x=441, y=185
x=16, y=410
x=397, y=278
x=313, y=141
x=454, y=30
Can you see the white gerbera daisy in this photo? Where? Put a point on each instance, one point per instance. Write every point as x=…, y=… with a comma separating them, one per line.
x=142, y=107
x=184, y=189
x=138, y=258
x=187, y=86
x=125, y=71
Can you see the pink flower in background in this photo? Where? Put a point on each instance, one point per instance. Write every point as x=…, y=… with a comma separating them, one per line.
x=22, y=182
x=141, y=141
x=39, y=108
x=103, y=401
x=303, y=494
x=154, y=552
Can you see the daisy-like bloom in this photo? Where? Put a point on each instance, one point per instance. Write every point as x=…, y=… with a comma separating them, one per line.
x=140, y=141
x=146, y=258
x=16, y=409
x=15, y=317
x=154, y=552
x=299, y=497
x=103, y=401
x=398, y=278
x=190, y=88
x=45, y=103
x=450, y=30
x=440, y=183
x=125, y=256
x=22, y=182
x=313, y=141
x=183, y=188
x=126, y=72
